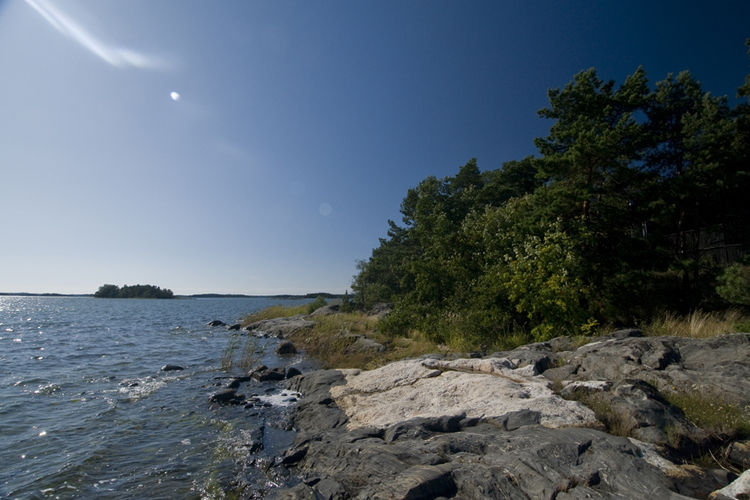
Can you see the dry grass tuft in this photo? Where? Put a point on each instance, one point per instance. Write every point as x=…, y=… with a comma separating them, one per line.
x=615, y=422
x=698, y=324
x=331, y=338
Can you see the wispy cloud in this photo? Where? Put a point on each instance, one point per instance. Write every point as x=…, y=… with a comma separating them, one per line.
x=116, y=56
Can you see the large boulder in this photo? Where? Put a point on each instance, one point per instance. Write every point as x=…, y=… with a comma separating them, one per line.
x=362, y=344
x=480, y=461
x=285, y=348
x=718, y=367
x=478, y=388
x=326, y=310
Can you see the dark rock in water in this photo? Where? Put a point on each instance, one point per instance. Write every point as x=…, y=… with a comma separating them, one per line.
x=292, y=372
x=215, y=322
x=223, y=396
x=170, y=368
x=236, y=326
x=277, y=373
x=286, y=347
x=253, y=440
x=316, y=411
x=258, y=368
x=269, y=374
x=227, y=396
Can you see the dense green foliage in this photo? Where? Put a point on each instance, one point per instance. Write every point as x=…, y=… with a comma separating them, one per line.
x=346, y=304
x=734, y=284
x=133, y=292
x=319, y=302
x=634, y=205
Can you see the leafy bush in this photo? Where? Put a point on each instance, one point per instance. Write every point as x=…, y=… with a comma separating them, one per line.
x=734, y=284
x=346, y=304
x=319, y=302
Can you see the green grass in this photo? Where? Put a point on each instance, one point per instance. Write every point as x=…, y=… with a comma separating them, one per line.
x=615, y=423
x=242, y=352
x=713, y=413
x=328, y=341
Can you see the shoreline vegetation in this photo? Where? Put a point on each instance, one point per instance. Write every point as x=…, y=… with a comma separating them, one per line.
x=331, y=338
x=635, y=205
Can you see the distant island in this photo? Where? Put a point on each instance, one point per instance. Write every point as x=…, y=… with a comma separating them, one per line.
x=133, y=292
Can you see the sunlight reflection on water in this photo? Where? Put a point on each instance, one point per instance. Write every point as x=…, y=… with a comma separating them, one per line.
x=95, y=416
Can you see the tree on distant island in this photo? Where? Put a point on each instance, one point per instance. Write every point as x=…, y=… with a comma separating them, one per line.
x=133, y=292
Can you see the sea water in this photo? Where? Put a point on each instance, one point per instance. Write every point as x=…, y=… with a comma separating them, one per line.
x=86, y=412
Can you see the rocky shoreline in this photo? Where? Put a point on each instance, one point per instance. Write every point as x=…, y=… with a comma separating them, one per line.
x=559, y=420
x=514, y=424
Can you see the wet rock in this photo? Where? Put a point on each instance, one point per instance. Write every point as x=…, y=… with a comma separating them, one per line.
x=292, y=372
x=271, y=374
x=234, y=384
x=215, y=322
x=253, y=439
x=329, y=489
x=227, y=397
x=285, y=348
x=258, y=368
x=170, y=368
x=234, y=327
x=317, y=410
x=299, y=492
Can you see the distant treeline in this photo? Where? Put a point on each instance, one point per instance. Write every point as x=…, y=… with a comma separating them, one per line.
x=638, y=203
x=133, y=292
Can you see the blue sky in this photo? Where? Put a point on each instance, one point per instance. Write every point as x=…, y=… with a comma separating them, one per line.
x=296, y=127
